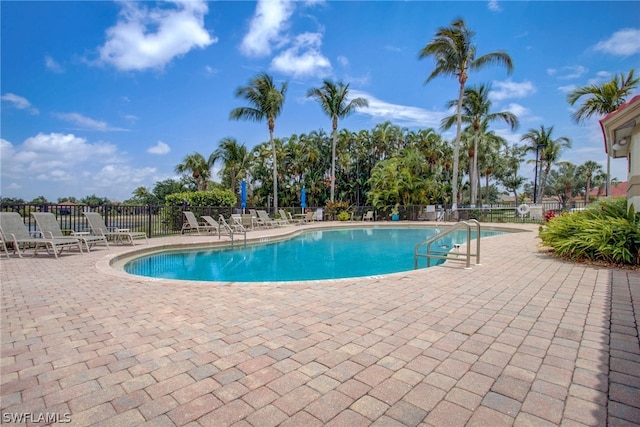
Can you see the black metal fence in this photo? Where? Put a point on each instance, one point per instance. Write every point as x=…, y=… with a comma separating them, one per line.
x=166, y=220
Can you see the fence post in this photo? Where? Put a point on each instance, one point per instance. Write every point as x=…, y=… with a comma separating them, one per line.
x=150, y=221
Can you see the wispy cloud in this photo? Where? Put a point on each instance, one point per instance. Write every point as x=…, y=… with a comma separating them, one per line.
x=160, y=148
x=84, y=122
x=19, y=103
x=149, y=38
x=398, y=114
x=508, y=90
x=52, y=64
x=494, y=6
x=624, y=43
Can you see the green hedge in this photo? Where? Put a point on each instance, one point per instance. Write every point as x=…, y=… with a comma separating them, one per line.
x=203, y=198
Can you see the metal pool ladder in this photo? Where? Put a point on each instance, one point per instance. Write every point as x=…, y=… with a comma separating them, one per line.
x=448, y=255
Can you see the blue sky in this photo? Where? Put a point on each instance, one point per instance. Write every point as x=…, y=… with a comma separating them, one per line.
x=104, y=97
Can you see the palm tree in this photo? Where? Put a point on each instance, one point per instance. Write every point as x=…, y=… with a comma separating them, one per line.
x=266, y=102
x=550, y=149
x=602, y=100
x=508, y=169
x=475, y=111
x=199, y=167
x=334, y=101
x=235, y=160
x=455, y=55
x=588, y=169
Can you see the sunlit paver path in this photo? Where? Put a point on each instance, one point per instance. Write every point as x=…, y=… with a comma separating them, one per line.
x=523, y=339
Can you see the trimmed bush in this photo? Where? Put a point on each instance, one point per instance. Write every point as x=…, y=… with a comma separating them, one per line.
x=214, y=197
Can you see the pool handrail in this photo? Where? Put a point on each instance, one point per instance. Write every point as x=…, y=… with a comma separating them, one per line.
x=448, y=255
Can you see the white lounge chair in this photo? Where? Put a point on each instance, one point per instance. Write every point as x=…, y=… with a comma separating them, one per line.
x=99, y=228
x=368, y=216
x=50, y=228
x=193, y=224
x=14, y=231
x=266, y=221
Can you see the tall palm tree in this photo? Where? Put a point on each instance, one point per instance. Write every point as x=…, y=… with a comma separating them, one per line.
x=199, y=168
x=455, y=55
x=476, y=107
x=589, y=169
x=601, y=100
x=266, y=102
x=334, y=101
x=549, y=149
x=235, y=159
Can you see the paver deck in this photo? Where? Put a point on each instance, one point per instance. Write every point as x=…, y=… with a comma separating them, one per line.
x=523, y=339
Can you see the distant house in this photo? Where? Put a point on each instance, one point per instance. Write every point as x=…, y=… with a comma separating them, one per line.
x=67, y=208
x=621, y=131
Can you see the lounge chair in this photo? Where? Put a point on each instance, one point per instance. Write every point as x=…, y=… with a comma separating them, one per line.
x=236, y=223
x=210, y=222
x=50, y=228
x=99, y=228
x=368, y=216
x=285, y=218
x=248, y=221
x=309, y=217
x=193, y=224
x=266, y=221
x=4, y=246
x=14, y=231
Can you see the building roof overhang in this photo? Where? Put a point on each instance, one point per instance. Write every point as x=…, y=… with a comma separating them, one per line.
x=617, y=127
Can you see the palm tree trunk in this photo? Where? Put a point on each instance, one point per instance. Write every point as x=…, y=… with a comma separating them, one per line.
x=456, y=154
x=333, y=164
x=275, y=172
x=474, y=180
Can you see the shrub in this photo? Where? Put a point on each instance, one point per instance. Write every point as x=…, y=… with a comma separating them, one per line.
x=344, y=216
x=606, y=232
x=332, y=208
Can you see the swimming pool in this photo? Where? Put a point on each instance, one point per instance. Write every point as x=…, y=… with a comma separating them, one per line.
x=312, y=255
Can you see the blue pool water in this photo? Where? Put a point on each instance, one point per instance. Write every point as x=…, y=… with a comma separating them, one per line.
x=313, y=255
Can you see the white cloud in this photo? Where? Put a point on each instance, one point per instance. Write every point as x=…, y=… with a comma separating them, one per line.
x=508, y=89
x=303, y=58
x=494, y=6
x=84, y=122
x=160, y=148
x=270, y=19
x=57, y=165
x=46, y=155
x=19, y=102
x=343, y=60
x=399, y=114
x=52, y=65
x=146, y=38
x=624, y=42
x=117, y=175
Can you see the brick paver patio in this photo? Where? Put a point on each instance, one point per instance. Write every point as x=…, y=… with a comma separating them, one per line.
x=523, y=339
